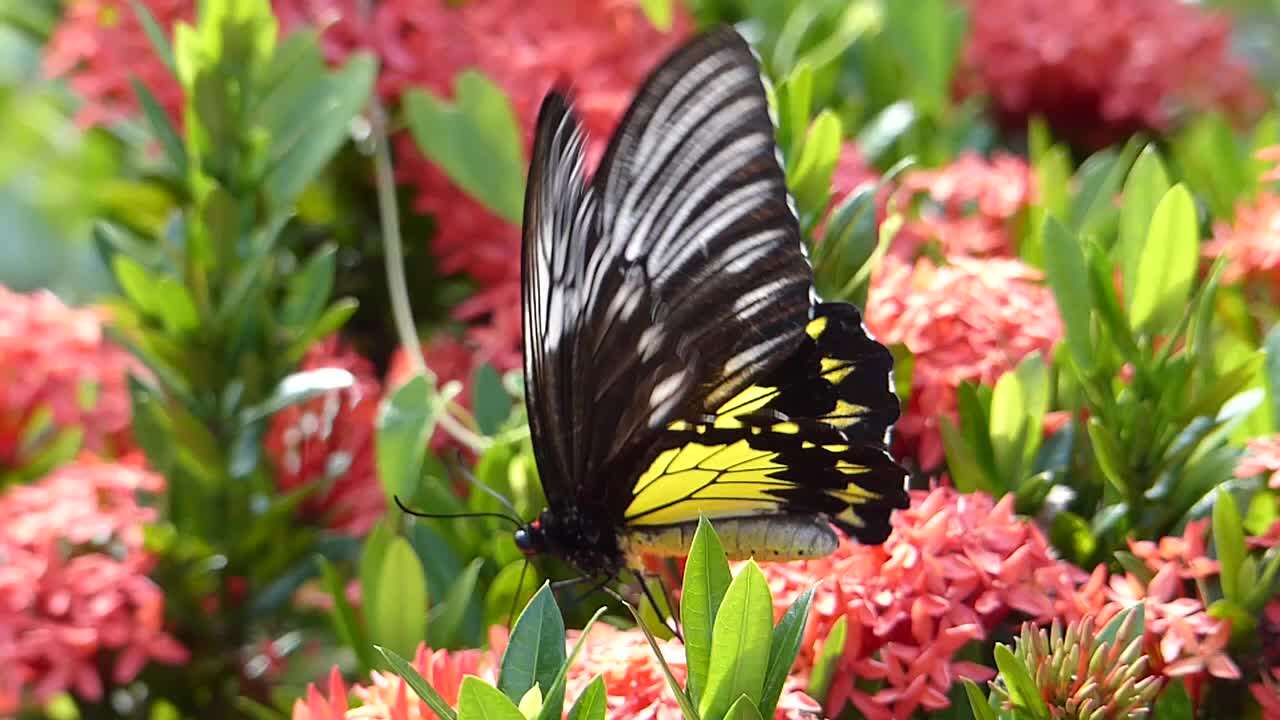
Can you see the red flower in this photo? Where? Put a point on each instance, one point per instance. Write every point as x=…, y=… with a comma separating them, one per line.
x=74, y=590
x=955, y=567
x=1267, y=692
x=1261, y=457
x=328, y=442
x=1187, y=554
x=387, y=697
x=974, y=202
x=1251, y=244
x=1099, y=71
x=56, y=366
x=968, y=321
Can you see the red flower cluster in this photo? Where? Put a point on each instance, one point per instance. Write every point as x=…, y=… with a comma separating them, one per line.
x=56, y=367
x=1251, y=243
x=1099, y=71
x=945, y=315
x=74, y=591
x=955, y=567
x=328, y=443
x=974, y=201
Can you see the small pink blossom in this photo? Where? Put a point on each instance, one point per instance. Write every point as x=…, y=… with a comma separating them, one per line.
x=1261, y=458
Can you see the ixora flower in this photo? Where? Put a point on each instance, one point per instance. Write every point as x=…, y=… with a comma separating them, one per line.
x=327, y=444
x=57, y=370
x=1251, y=244
x=974, y=200
x=387, y=697
x=955, y=567
x=1099, y=71
x=74, y=593
x=943, y=314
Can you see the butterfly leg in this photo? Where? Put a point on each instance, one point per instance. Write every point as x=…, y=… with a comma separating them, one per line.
x=674, y=627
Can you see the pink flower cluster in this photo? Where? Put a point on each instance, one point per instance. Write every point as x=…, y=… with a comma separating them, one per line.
x=970, y=320
x=57, y=366
x=956, y=567
x=974, y=201
x=327, y=444
x=1251, y=243
x=1099, y=71
x=74, y=591
x=1261, y=457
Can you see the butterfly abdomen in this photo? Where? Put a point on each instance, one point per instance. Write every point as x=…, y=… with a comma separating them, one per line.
x=765, y=537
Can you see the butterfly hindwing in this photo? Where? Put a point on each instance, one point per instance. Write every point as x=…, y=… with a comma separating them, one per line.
x=807, y=438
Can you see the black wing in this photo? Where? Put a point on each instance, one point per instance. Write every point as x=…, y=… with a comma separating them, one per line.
x=664, y=287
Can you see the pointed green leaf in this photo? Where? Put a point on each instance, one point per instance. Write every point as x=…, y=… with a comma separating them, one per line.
x=1173, y=703
x=1069, y=279
x=476, y=141
x=682, y=698
x=824, y=667
x=1022, y=689
x=553, y=706
x=1008, y=427
x=1106, y=450
x=743, y=709
x=535, y=651
x=299, y=387
x=162, y=127
x=1167, y=265
x=420, y=686
x=1229, y=545
x=979, y=704
x=446, y=629
x=706, y=579
x=478, y=700
x=398, y=618
x=531, y=704
x=783, y=648
x=343, y=616
x=1143, y=189
x=740, y=641
x=405, y=421
x=1111, y=632
x=591, y=704
x=810, y=177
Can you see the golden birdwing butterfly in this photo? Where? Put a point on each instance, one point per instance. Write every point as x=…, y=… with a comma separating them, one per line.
x=677, y=360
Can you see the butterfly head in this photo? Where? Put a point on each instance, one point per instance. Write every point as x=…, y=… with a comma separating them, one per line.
x=530, y=539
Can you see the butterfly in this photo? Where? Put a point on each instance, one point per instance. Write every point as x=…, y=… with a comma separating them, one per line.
x=677, y=360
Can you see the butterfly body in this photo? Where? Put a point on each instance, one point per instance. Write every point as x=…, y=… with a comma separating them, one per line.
x=677, y=361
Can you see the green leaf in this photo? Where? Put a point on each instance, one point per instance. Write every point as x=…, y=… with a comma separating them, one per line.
x=660, y=13
x=1229, y=545
x=962, y=462
x=478, y=700
x=795, y=103
x=371, y=556
x=343, y=615
x=1167, y=265
x=535, y=651
x=531, y=704
x=309, y=289
x=300, y=152
x=1173, y=703
x=682, y=698
x=397, y=618
x=420, y=686
x=476, y=141
x=405, y=421
x=161, y=297
x=489, y=399
x=1271, y=349
x=513, y=587
x=810, y=177
x=1072, y=535
x=1146, y=185
x=155, y=34
x=783, y=648
x=706, y=579
x=163, y=128
x=1022, y=689
x=1008, y=427
x=445, y=630
x=824, y=666
x=740, y=642
x=977, y=702
x=743, y=709
x=553, y=707
x=591, y=703
x=298, y=388
x=1106, y=450
x=882, y=133
x=1069, y=279
x=330, y=322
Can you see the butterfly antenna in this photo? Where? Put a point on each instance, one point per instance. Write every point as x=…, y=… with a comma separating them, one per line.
x=449, y=516
x=515, y=598
x=458, y=469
